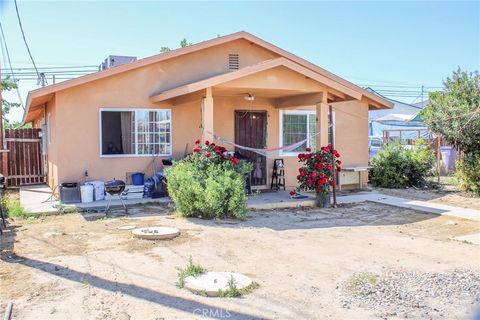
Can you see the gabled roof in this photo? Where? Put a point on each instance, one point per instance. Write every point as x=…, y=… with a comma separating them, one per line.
x=38, y=93
x=262, y=66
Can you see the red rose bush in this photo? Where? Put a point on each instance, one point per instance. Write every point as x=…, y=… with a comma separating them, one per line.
x=316, y=172
x=209, y=183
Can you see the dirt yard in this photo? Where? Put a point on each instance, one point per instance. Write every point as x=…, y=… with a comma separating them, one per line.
x=67, y=267
x=448, y=196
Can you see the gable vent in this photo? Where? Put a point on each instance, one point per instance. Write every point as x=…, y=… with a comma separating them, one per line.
x=233, y=61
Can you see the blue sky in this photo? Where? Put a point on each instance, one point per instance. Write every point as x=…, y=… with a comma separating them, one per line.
x=378, y=43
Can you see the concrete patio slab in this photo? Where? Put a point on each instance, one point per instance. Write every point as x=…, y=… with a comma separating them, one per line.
x=278, y=200
x=34, y=200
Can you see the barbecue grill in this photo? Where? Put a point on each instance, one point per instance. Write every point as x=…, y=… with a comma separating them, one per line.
x=115, y=188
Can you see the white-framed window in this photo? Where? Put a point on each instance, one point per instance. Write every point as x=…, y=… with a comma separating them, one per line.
x=135, y=132
x=298, y=125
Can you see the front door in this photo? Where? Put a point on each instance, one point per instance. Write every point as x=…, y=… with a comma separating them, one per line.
x=251, y=131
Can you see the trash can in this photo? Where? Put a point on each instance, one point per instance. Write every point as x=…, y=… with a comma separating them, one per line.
x=138, y=178
x=69, y=192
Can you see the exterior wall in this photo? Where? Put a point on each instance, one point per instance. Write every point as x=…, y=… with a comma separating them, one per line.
x=75, y=117
x=351, y=138
x=53, y=143
x=75, y=111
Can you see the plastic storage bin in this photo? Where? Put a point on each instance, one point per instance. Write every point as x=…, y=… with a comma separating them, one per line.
x=86, y=193
x=98, y=190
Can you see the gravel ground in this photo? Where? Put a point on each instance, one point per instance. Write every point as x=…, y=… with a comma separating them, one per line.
x=415, y=295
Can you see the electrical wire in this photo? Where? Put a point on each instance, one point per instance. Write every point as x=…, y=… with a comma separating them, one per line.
x=25, y=41
x=4, y=44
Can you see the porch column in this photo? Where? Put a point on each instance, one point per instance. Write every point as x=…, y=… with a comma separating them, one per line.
x=207, y=116
x=322, y=122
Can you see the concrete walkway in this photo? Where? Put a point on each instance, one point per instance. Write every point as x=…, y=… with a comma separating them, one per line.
x=33, y=198
x=428, y=207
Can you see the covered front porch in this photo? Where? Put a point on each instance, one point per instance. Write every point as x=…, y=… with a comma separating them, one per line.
x=269, y=106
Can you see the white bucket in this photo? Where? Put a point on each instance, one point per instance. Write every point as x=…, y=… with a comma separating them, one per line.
x=98, y=190
x=86, y=193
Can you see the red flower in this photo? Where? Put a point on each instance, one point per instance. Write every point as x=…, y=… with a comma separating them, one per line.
x=318, y=189
x=207, y=154
x=207, y=142
x=335, y=153
x=196, y=149
x=197, y=142
x=339, y=162
x=309, y=182
x=319, y=165
x=301, y=156
x=302, y=174
x=319, y=158
x=308, y=150
x=235, y=160
x=332, y=183
x=339, y=169
x=328, y=166
x=212, y=144
x=313, y=175
x=292, y=193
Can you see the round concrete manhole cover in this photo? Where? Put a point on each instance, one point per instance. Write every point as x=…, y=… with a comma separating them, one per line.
x=156, y=233
x=211, y=282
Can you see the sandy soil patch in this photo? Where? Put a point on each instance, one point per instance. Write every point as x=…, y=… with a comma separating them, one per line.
x=65, y=267
x=448, y=197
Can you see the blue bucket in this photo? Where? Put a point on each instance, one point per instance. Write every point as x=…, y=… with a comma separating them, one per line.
x=138, y=178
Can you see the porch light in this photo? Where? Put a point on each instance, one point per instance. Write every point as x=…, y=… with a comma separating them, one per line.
x=249, y=97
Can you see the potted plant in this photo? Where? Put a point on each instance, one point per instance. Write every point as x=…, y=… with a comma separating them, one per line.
x=317, y=172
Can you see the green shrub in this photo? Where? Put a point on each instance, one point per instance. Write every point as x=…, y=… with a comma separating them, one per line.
x=468, y=173
x=13, y=208
x=398, y=167
x=209, y=184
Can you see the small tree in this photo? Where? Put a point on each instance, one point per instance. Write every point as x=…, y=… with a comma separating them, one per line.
x=7, y=85
x=455, y=112
x=183, y=43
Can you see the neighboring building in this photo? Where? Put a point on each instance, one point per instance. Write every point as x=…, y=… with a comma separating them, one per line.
x=238, y=87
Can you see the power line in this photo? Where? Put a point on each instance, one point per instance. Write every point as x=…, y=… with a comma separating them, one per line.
x=4, y=43
x=25, y=41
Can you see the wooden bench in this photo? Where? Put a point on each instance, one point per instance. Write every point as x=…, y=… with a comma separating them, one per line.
x=349, y=176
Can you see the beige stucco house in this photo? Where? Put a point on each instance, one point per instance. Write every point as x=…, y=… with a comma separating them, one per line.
x=111, y=122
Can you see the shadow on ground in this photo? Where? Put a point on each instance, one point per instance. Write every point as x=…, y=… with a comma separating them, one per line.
x=181, y=304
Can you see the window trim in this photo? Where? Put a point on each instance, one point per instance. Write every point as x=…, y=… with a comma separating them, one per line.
x=298, y=112
x=49, y=128
x=136, y=155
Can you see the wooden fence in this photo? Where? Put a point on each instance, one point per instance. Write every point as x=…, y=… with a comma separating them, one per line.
x=24, y=159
